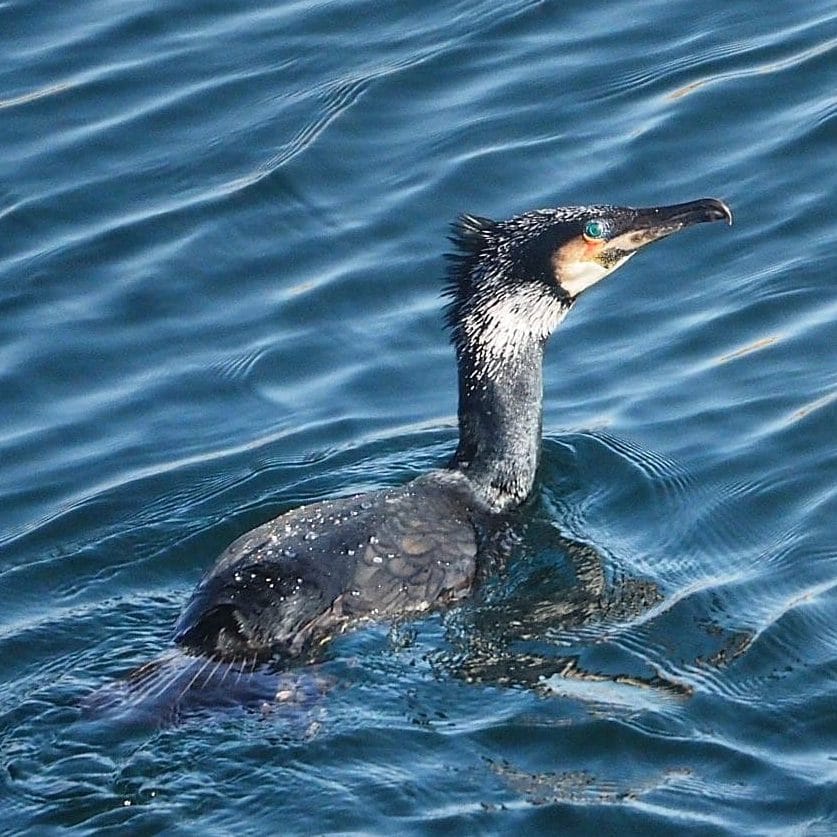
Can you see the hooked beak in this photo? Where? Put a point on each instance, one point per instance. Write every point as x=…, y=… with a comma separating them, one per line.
x=643, y=226
x=664, y=220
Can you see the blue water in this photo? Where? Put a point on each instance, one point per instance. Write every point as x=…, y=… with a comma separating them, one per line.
x=221, y=238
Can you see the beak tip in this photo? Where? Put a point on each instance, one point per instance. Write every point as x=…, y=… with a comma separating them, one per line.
x=721, y=210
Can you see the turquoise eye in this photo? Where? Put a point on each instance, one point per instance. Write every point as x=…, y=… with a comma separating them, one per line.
x=594, y=230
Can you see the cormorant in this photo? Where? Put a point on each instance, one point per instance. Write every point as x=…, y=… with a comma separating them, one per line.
x=284, y=589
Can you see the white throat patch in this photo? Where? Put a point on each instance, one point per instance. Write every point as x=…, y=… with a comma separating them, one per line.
x=577, y=267
x=578, y=276
x=499, y=330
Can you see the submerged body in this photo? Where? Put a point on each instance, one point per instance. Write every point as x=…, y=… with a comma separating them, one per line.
x=281, y=591
x=286, y=587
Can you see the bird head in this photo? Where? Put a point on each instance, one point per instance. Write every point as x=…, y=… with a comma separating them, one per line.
x=520, y=276
x=601, y=239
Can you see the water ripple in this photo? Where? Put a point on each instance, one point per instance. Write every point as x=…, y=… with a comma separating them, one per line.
x=221, y=232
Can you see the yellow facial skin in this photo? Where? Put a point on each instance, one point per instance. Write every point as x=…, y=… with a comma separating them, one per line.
x=582, y=261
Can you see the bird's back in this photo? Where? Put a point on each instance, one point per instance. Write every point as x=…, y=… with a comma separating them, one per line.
x=286, y=587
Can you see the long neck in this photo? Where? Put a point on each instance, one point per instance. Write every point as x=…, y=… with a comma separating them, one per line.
x=500, y=421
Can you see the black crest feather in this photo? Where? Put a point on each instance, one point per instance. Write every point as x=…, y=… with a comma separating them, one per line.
x=472, y=232
x=471, y=236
